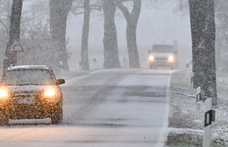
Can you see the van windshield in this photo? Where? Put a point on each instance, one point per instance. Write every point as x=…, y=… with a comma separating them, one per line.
x=162, y=49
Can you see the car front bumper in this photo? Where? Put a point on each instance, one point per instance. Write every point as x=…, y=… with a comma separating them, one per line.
x=40, y=108
x=162, y=64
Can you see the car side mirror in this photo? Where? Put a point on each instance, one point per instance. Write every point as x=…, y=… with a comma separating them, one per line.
x=60, y=81
x=149, y=52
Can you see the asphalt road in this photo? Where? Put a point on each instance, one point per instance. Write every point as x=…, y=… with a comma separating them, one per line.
x=106, y=108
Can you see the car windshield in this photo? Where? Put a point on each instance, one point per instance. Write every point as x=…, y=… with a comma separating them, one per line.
x=27, y=77
x=162, y=49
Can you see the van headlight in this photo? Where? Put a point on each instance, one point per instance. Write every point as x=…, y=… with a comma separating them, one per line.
x=171, y=59
x=151, y=58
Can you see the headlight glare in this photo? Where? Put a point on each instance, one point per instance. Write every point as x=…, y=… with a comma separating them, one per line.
x=151, y=58
x=3, y=94
x=171, y=58
x=50, y=92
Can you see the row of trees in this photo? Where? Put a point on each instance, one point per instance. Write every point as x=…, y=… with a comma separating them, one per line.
x=111, y=56
x=56, y=34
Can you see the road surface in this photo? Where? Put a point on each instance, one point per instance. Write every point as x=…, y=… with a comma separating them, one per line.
x=106, y=108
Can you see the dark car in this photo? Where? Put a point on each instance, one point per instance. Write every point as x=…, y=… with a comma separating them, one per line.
x=30, y=92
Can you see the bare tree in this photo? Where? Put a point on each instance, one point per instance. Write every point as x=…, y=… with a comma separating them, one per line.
x=77, y=9
x=5, y=14
x=85, y=36
x=37, y=44
x=132, y=21
x=58, y=18
x=15, y=21
x=221, y=11
x=111, y=55
x=5, y=11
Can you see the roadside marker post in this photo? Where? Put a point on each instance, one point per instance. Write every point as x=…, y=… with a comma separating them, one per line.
x=189, y=65
x=207, y=123
x=209, y=116
x=192, y=84
x=198, y=94
x=198, y=99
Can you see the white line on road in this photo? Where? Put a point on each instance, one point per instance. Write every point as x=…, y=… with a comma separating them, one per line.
x=164, y=130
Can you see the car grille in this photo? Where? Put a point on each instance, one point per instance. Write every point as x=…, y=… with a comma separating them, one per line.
x=161, y=59
x=21, y=95
x=25, y=94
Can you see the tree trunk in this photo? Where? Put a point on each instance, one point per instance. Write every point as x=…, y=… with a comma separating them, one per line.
x=197, y=17
x=15, y=20
x=132, y=20
x=58, y=18
x=209, y=86
x=132, y=46
x=85, y=36
x=203, y=25
x=111, y=58
x=62, y=42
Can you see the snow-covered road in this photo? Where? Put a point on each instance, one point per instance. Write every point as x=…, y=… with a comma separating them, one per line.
x=105, y=108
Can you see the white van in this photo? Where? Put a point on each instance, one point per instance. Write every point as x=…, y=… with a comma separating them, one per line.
x=162, y=55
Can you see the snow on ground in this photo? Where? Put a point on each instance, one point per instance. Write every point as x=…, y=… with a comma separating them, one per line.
x=104, y=108
x=186, y=114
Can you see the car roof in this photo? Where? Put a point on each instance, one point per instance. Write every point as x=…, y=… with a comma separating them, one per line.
x=44, y=67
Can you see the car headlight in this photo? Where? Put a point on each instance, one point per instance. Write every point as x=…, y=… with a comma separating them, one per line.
x=3, y=94
x=171, y=58
x=50, y=93
x=151, y=58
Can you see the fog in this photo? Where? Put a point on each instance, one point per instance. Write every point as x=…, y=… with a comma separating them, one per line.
x=158, y=23
x=109, y=107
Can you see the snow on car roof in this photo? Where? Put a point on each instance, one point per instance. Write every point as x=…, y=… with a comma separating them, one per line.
x=28, y=67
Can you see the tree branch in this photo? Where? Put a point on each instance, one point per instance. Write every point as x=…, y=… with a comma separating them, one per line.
x=4, y=25
x=124, y=9
x=77, y=7
x=95, y=7
x=75, y=13
x=136, y=8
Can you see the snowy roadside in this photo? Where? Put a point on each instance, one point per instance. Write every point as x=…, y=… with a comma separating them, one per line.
x=186, y=117
x=70, y=75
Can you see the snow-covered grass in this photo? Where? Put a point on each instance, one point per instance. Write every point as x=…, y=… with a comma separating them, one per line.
x=186, y=118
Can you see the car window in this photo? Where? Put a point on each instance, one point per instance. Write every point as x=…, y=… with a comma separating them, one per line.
x=27, y=77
